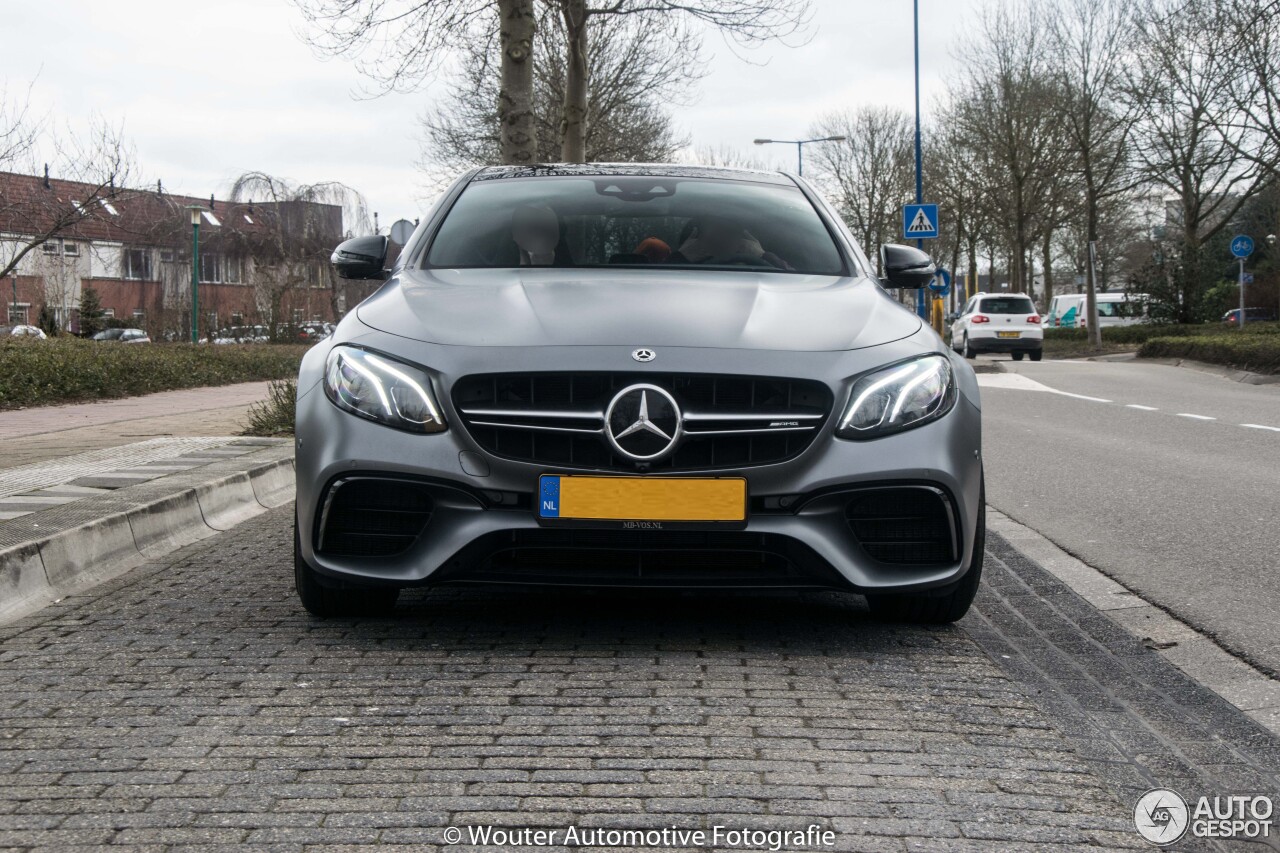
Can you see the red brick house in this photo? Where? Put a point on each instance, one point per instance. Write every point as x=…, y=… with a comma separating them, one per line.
x=260, y=262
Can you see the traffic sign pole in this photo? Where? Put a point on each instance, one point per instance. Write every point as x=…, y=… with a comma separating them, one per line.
x=1242, y=247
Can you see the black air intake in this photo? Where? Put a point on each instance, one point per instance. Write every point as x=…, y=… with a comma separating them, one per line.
x=909, y=525
x=373, y=517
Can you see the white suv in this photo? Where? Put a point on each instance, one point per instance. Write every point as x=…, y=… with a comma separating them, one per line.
x=998, y=323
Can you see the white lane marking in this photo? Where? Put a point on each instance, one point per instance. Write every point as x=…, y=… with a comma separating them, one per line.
x=1018, y=382
x=1143, y=408
x=1195, y=417
x=1261, y=426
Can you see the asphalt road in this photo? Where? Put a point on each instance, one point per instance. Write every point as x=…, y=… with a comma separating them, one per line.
x=1165, y=478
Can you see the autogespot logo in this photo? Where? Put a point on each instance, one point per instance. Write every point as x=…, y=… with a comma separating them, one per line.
x=1161, y=816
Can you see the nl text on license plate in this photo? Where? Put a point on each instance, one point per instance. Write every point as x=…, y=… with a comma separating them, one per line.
x=642, y=499
x=1008, y=334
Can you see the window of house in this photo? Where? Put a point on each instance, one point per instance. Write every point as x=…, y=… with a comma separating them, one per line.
x=248, y=218
x=237, y=319
x=167, y=256
x=137, y=264
x=50, y=248
x=210, y=267
x=110, y=313
x=297, y=315
x=209, y=217
x=71, y=249
x=18, y=315
x=231, y=270
x=109, y=207
x=139, y=315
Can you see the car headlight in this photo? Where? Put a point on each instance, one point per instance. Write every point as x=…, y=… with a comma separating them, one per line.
x=381, y=389
x=900, y=397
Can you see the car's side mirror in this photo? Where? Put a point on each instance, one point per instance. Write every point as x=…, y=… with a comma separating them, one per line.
x=905, y=266
x=952, y=317
x=361, y=258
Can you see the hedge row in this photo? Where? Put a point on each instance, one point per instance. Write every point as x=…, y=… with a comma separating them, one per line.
x=65, y=369
x=1144, y=332
x=1257, y=353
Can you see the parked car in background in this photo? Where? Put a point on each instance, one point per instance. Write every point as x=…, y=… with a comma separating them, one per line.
x=310, y=333
x=123, y=336
x=1069, y=311
x=22, y=331
x=243, y=335
x=1252, y=315
x=998, y=323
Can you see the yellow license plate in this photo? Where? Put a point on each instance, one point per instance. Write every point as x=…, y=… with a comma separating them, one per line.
x=642, y=498
x=1008, y=334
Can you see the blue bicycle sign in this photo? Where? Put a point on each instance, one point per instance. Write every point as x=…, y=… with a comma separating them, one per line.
x=1241, y=245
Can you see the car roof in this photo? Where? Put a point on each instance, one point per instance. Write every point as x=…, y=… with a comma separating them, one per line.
x=662, y=170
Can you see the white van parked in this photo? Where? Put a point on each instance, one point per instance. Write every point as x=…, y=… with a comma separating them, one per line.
x=1069, y=311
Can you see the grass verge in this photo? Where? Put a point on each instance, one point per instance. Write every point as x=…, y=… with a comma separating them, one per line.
x=64, y=370
x=1258, y=353
x=274, y=415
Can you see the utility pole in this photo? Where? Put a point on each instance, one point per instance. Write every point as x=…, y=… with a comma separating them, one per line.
x=195, y=272
x=920, y=297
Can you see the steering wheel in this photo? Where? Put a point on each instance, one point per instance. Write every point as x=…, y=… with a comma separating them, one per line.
x=739, y=260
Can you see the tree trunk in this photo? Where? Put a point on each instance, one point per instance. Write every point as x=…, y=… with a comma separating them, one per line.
x=1091, y=264
x=573, y=126
x=517, y=142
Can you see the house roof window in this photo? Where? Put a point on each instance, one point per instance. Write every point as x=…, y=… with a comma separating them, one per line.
x=209, y=217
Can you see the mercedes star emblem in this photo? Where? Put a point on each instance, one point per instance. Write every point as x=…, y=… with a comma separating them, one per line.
x=644, y=355
x=643, y=422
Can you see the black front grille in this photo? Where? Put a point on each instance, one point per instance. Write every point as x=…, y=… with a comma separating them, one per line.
x=373, y=517
x=556, y=418
x=644, y=558
x=904, y=525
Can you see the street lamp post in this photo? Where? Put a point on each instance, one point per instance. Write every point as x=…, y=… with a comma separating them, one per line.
x=195, y=211
x=799, y=144
x=14, y=312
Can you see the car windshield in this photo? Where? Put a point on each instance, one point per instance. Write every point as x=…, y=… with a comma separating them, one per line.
x=109, y=335
x=1007, y=305
x=635, y=221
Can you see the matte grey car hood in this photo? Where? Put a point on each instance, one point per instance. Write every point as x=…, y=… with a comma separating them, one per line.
x=595, y=307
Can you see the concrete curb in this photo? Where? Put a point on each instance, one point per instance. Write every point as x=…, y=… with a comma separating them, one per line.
x=48, y=567
x=1231, y=373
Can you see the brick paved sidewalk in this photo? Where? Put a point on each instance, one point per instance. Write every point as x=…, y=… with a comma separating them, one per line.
x=193, y=702
x=33, y=435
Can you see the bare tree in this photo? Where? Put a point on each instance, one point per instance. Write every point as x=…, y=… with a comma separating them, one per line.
x=401, y=45
x=300, y=218
x=83, y=172
x=1005, y=111
x=743, y=22
x=642, y=74
x=1182, y=84
x=870, y=173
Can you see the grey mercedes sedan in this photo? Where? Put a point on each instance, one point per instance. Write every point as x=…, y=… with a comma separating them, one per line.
x=637, y=375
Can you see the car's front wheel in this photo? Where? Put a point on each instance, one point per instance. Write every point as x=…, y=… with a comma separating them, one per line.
x=923, y=609
x=327, y=601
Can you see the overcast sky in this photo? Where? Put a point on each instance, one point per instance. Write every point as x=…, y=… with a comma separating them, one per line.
x=208, y=91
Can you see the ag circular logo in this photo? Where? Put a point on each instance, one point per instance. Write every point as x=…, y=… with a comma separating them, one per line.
x=643, y=422
x=644, y=355
x=1161, y=816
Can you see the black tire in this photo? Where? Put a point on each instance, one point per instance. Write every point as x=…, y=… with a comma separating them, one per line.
x=326, y=601
x=1017, y=356
x=1037, y=354
x=944, y=609
x=968, y=351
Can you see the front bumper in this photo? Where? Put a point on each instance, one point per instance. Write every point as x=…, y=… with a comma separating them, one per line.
x=797, y=533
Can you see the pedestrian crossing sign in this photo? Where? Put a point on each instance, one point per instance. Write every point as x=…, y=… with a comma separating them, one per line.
x=919, y=221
